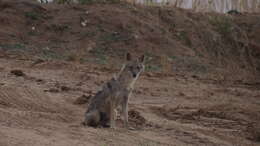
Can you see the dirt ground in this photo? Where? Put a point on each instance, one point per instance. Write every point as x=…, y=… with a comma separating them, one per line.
x=39, y=107
x=198, y=88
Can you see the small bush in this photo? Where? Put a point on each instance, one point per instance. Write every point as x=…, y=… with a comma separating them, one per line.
x=223, y=24
x=32, y=15
x=183, y=36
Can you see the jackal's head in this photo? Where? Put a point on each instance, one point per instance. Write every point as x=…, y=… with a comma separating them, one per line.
x=133, y=67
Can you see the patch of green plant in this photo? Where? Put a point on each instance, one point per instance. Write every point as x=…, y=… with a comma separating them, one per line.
x=197, y=52
x=58, y=27
x=119, y=52
x=100, y=27
x=191, y=64
x=109, y=37
x=87, y=1
x=98, y=50
x=113, y=1
x=70, y=56
x=14, y=47
x=87, y=34
x=153, y=67
x=102, y=59
x=223, y=24
x=163, y=30
x=100, y=56
x=183, y=36
x=149, y=57
x=173, y=57
x=32, y=33
x=51, y=54
x=133, y=9
x=112, y=37
x=32, y=15
x=64, y=1
x=197, y=68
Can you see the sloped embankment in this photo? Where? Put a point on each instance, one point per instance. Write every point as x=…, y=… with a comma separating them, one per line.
x=222, y=46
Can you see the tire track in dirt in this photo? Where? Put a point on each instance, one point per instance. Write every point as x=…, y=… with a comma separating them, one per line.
x=28, y=99
x=23, y=107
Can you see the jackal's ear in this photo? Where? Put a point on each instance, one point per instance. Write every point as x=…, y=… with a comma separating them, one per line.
x=128, y=56
x=141, y=59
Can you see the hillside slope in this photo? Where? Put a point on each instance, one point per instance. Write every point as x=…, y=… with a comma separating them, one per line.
x=173, y=39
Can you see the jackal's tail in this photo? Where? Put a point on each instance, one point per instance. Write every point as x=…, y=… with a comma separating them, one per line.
x=92, y=118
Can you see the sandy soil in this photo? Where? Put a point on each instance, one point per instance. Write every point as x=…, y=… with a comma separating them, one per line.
x=38, y=108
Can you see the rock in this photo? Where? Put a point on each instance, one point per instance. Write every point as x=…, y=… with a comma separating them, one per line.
x=83, y=99
x=17, y=72
x=64, y=88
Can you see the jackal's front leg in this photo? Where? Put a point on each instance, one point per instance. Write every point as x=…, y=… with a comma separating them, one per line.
x=112, y=113
x=125, y=111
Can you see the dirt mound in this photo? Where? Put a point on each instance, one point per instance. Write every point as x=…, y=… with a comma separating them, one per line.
x=172, y=39
x=84, y=99
x=220, y=116
x=218, y=111
x=136, y=119
x=28, y=99
x=17, y=72
x=169, y=113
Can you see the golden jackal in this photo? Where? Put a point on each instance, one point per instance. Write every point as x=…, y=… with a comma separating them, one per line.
x=115, y=93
